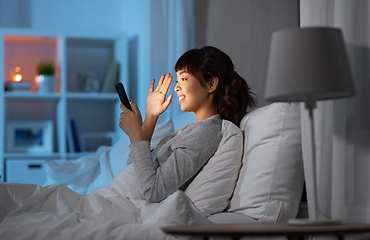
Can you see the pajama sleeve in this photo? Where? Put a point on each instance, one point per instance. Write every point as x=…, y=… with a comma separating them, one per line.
x=186, y=154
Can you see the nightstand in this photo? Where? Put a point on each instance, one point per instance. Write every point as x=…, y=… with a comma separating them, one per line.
x=239, y=230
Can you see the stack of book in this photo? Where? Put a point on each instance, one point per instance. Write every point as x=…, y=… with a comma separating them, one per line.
x=17, y=86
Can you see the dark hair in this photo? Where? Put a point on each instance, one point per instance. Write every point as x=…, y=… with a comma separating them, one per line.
x=233, y=96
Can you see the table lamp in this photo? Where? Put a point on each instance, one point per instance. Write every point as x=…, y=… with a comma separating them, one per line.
x=307, y=65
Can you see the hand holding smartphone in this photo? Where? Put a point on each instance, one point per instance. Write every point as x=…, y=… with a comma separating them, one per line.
x=122, y=95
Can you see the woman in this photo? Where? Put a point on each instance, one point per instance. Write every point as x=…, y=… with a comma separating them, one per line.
x=206, y=85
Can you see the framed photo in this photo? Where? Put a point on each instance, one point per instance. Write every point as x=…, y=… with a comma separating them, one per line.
x=29, y=136
x=91, y=141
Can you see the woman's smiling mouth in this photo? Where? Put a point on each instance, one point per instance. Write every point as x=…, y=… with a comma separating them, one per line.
x=181, y=98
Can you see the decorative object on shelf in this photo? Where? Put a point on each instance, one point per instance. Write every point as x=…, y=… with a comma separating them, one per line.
x=91, y=141
x=16, y=74
x=17, y=85
x=87, y=82
x=111, y=77
x=307, y=65
x=46, y=79
x=29, y=137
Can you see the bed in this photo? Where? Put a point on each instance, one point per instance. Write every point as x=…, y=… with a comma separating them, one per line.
x=256, y=175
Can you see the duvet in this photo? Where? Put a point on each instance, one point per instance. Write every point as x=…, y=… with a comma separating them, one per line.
x=112, y=212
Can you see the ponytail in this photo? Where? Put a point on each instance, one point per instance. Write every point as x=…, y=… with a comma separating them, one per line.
x=234, y=99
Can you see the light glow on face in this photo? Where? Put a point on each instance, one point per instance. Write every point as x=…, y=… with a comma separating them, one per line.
x=192, y=96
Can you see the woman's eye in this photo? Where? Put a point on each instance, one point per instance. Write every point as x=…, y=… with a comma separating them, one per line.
x=180, y=80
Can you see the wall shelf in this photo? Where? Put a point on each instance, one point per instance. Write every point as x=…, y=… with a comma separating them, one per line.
x=31, y=95
x=26, y=156
x=92, y=96
x=74, y=54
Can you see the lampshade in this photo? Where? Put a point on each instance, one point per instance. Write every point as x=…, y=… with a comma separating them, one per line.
x=308, y=63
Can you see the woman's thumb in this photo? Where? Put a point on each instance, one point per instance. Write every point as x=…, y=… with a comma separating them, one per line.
x=168, y=101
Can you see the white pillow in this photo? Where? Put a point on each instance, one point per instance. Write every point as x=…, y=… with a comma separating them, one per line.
x=212, y=188
x=271, y=180
x=177, y=209
x=126, y=184
x=118, y=154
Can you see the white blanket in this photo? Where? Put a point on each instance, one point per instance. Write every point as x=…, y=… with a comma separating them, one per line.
x=111, y=212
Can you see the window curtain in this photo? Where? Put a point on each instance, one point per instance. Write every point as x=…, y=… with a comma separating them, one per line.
x=342, y=126
x=171, y=34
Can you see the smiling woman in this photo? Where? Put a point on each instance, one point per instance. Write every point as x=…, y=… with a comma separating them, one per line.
x=207, y=85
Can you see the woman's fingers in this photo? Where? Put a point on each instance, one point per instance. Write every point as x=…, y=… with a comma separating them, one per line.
x=166, y=84
x=167, y=102
x=160, y=83
x=163, y=83
x=151, y=87
x=123, y=107
x=135, y=108
x=127, y=113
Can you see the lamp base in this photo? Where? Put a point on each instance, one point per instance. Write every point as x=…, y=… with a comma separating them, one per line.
x=312, y=222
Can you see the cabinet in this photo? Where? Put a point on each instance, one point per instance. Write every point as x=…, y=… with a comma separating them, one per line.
x=25, y=171
x=74, y=55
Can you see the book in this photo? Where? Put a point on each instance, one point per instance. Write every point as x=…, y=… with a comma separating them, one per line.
x=17, y=86
x=111, y=77
x=70, y=143
x=75, y=136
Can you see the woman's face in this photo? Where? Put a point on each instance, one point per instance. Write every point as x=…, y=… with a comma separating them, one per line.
x=193, y=97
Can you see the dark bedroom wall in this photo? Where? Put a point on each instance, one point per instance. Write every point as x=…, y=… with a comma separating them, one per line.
x=15, y=13
x=243, y=29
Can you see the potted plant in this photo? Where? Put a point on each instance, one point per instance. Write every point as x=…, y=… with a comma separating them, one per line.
x=46, y=79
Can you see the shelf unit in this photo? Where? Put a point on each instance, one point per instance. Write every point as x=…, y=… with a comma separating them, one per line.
x=80, y=53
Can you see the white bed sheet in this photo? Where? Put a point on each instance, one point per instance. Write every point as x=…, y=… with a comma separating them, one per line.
x=57, y=212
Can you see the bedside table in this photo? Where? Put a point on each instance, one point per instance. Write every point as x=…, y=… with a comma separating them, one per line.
x=266, y=229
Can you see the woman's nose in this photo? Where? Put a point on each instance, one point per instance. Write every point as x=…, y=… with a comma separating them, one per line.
x=177, y=88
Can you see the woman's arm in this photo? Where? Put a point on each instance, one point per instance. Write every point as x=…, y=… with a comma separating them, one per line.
x=180, y=159
x=131, y=121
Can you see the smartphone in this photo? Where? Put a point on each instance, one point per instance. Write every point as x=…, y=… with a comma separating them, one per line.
x=122, y=95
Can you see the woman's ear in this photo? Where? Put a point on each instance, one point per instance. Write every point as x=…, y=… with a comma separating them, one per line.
x=213, y=84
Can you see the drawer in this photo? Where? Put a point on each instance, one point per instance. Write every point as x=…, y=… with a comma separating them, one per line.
x=25, y=171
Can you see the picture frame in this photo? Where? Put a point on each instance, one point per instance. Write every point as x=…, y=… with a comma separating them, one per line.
x=29, y=137
x=91, y=141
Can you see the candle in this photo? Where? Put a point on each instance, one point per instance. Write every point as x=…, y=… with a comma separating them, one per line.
x=16, y=83
x=17, y=77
